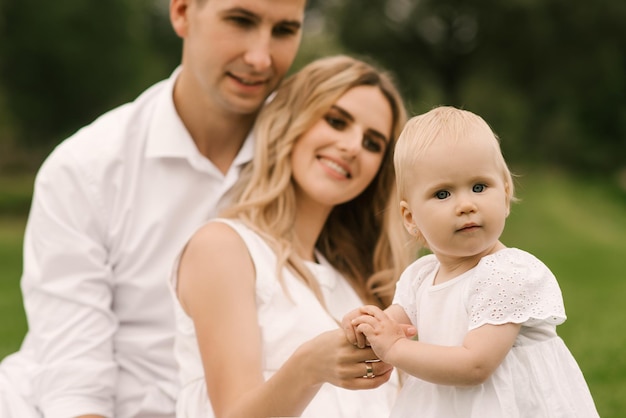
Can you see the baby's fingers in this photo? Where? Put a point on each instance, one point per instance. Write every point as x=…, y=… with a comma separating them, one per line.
x=351, y=333
x=364, y=325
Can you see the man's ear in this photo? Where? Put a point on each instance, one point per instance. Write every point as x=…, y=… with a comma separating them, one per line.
x=407, y=219
x=179, y=16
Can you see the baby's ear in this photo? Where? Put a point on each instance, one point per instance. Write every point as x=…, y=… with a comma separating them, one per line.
x=407, y=219
x=507, y=194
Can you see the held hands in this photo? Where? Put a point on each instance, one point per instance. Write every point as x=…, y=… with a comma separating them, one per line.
x=334, y=360
x=370, y=326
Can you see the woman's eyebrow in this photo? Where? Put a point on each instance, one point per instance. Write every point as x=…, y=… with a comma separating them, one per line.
x=379, y=135
x=348, y=116
x=344, y=112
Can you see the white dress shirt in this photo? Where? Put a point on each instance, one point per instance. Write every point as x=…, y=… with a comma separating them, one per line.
x=112, y=207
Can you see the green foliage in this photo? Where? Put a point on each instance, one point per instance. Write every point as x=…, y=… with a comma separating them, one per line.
x=548, y=75
x=64, y=63
x=15, y=194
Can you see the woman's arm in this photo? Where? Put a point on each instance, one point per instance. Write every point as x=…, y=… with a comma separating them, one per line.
x=217, y=289
x=482, y=351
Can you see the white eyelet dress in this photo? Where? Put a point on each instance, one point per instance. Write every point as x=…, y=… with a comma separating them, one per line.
x=538, y=378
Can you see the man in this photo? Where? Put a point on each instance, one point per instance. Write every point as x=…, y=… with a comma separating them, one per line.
x=114, y=204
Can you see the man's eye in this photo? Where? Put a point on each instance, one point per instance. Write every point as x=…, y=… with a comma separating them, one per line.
x=442, y=194
x=284, y=31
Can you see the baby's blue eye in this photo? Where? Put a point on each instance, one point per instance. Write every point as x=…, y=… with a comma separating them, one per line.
x=477, y=188
x=442, y=194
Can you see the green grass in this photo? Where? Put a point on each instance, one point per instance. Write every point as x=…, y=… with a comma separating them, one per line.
x=11, y=311
x=578, y=228
x=15, y=196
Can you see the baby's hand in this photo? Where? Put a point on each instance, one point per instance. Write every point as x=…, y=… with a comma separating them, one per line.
x=354, y=337
x=350, y=322
x=381, y=331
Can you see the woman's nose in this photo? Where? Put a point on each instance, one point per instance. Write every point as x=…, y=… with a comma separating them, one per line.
x=350, y=143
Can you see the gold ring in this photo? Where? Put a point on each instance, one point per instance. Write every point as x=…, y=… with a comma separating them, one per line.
x=369, y=371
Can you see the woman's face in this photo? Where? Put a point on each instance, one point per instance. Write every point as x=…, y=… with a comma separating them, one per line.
x=339, y=156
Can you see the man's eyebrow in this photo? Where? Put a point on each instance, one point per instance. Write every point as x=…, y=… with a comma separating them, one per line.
x=296, y=24
x=241, y=11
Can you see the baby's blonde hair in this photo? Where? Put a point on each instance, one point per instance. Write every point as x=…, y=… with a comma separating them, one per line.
x=443, y=122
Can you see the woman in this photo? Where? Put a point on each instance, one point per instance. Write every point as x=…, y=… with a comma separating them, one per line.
x=314, y=234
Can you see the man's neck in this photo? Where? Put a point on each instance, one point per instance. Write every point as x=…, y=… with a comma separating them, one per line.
x=218, y=134
x=220, y=140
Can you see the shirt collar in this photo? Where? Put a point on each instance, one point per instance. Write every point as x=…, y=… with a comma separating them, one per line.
x=168, y=136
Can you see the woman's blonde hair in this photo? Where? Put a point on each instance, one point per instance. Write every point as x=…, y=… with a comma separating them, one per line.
x=363, y=238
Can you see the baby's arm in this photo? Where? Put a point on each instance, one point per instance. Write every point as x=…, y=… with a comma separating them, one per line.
x=481, y=352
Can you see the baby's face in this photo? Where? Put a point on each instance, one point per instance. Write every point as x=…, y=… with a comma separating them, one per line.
x=457, y=198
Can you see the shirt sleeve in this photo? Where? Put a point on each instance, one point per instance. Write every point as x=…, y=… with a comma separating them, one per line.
x=67, y=291
x=514, y=286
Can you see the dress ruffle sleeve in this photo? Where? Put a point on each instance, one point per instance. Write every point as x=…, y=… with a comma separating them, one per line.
x=514, y=286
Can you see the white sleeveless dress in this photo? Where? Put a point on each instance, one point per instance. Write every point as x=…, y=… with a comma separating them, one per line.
x=285, y=323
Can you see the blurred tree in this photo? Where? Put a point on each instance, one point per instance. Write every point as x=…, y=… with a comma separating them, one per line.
x=64, y=63
x=548, y=75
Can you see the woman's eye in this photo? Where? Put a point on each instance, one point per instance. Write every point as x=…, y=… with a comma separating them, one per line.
x=371, y=144
x=335, y=122
x=442, y=194
x=478, y=188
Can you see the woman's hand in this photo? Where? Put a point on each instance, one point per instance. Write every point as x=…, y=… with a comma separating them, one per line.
x=331, y=358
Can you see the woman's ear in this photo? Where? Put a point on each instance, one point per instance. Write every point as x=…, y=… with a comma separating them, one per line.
x=407, y=219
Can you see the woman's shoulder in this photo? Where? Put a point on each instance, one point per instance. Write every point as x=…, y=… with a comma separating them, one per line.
x=217, y=231
x=215, y=240
x=229, y=240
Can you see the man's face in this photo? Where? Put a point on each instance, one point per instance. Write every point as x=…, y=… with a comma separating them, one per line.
x=236, y=52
